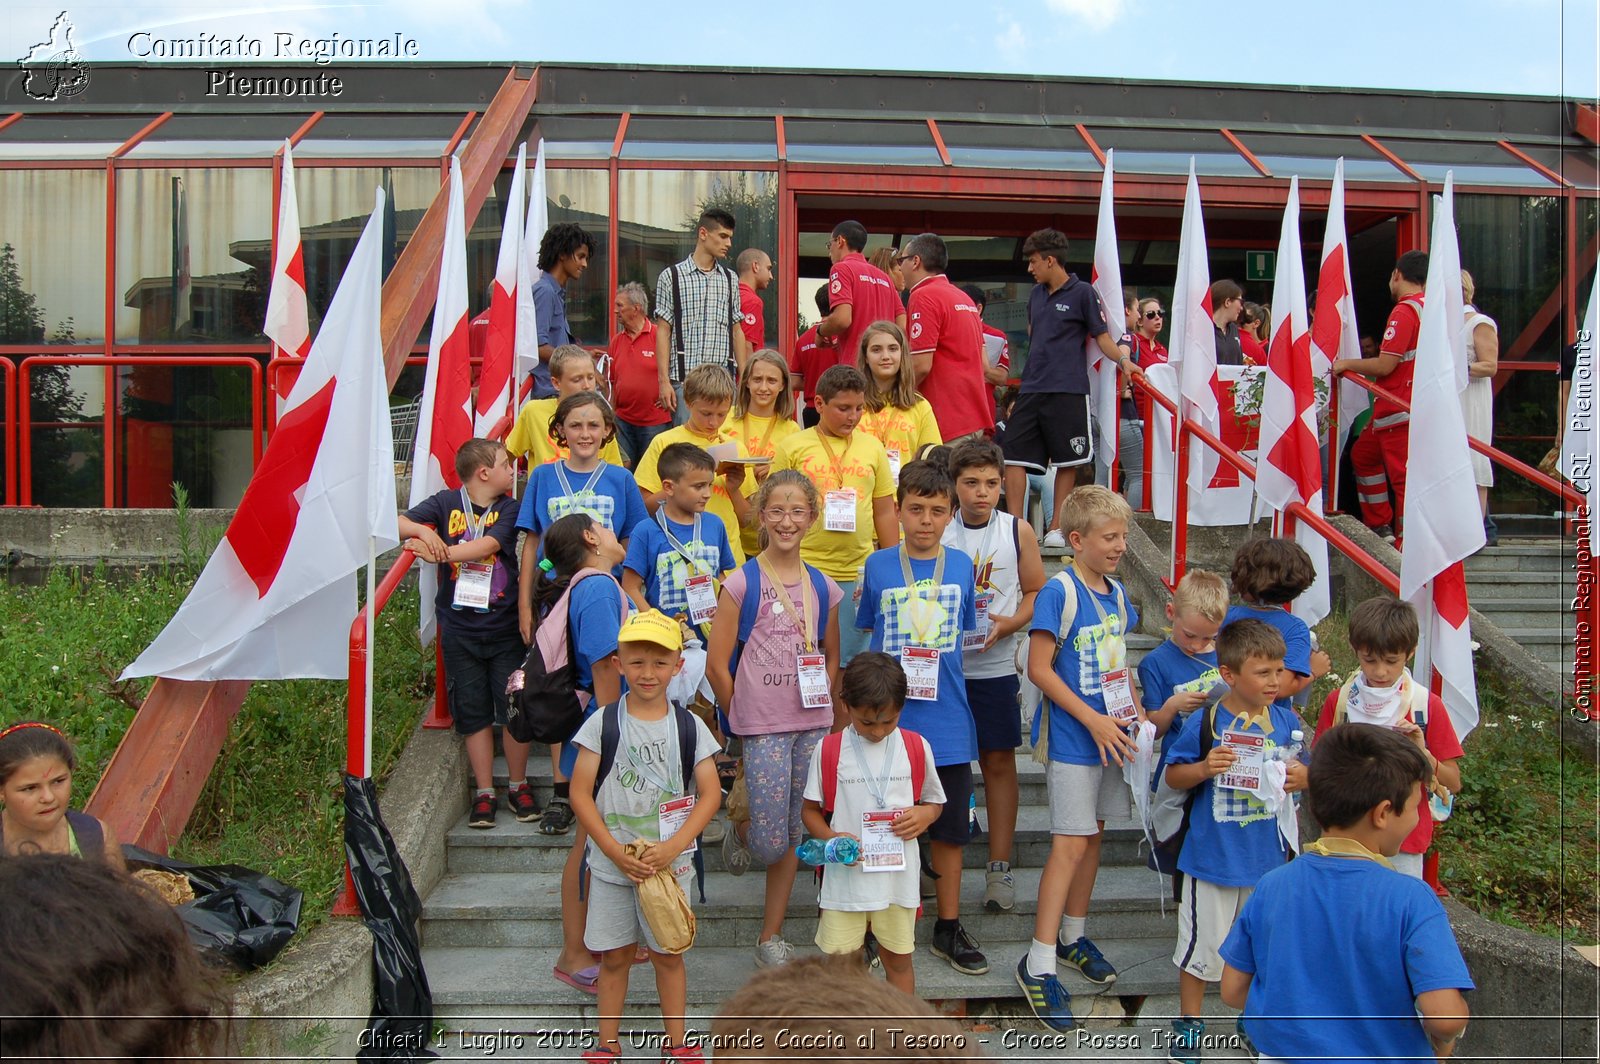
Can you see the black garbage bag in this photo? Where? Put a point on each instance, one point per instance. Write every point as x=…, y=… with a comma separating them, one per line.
x=238, y=914
x=402, y=1003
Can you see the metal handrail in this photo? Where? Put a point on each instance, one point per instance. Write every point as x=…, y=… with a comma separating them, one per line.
x=8, y=437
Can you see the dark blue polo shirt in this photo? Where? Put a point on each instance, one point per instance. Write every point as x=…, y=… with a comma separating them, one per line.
x=1059, y=325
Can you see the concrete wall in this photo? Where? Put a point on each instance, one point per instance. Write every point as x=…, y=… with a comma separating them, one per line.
x=39, y=535
x=328, y=973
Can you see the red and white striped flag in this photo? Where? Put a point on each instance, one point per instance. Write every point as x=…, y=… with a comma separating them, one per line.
x=444, y=421
x=1194, y=348
x=277, y=597
x=1442, y=522
x=495, y=384
x=288, y=323
x=1290, y=465
x=1106, y=276
x=528, y=272
x=1334, y=334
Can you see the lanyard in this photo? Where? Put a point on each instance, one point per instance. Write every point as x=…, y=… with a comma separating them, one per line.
x=475, y=521
x=1340, y=847
x=676, y=544
x=836, y=461
x=1094, y=599
x=758, y=449
x=588, y=486
x=983, y=553
x=919, y=632
x=877, y=785
x=663, y=782
x=807, y=616
x=1193, y=657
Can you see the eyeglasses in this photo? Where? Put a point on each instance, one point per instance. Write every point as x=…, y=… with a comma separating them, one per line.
x=798, y=514
x=1152, y=314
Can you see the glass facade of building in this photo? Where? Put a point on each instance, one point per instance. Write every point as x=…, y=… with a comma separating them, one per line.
x=137, y=219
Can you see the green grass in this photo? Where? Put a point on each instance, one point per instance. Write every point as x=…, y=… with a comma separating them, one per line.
x=275, y=799
x=1522, y=845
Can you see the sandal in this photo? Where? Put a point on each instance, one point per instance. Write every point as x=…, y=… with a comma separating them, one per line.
x=585, y=979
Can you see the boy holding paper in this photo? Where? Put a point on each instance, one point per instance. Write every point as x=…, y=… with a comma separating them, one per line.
x=1233, y=839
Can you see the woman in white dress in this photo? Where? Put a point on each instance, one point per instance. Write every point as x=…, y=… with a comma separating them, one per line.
x=1482, y=341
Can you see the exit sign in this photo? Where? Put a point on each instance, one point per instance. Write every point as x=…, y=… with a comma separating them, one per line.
x=1260, y=265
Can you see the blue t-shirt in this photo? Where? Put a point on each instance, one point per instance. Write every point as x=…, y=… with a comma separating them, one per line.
x=1167, y=671
x=665, y=568
x=1233, y=841
x=442, y=510
x=897, y=622
x=1059, y=326
x=1092, y=649
x=1393, y=943
x=594, y=617
x=608, y=493
x=1296, y=637
x=550, y=308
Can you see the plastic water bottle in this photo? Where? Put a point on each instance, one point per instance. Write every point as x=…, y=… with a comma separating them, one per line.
x=841, y=849
x=1297, y=742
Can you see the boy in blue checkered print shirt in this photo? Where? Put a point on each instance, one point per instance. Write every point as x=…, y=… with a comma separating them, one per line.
x=917, y=599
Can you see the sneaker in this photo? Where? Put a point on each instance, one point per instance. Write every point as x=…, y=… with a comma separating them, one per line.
x=686, y=1054
x=960, y=949
x=1385, y=533
x=869, y=943
x=1055, y=539
x=1086, y=957
x=482, y=815
x=1048, y=999
x=999, y=888
x=715, y=832
x=557, y=819
x=1184, y=1048
x=1244, y=1039
x=774, y=951
x=522, y=803
x=735, y=854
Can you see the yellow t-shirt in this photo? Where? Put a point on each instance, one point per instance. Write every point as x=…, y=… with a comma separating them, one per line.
x=864, y=466
x=530, y=436
x=902, y=432
x=759, y=436
x=719, y=506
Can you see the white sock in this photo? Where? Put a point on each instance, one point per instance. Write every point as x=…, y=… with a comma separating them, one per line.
x=512, y=785
x=489, y=791
x=1041, y=958
x=1072, y=928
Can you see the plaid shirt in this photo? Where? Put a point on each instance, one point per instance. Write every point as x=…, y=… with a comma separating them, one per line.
x=702, y=334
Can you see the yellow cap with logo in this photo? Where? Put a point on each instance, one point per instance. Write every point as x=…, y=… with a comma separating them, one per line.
x=652, y=626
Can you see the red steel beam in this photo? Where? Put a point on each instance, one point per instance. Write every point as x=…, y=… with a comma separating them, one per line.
x=15, y=116
x=1249, y=156
x=1562, y=296
x=783, y=139
x=938, y=142
x=1586, y=123
x=305, y=127
x=1533, y=164
x=1394, y=160
x=133, y=141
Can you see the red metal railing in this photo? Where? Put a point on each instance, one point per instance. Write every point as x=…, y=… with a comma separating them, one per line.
x=8, y=432
x=19, y=407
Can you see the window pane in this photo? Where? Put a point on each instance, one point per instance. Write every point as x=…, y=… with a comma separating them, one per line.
x=753, y=139
x=573, y=138
x=1312, y=157
x=1016, y=147
x=583, y=197
x=862, y=143
x=380, y=136
x=68, y=136
x=186, y=425
x=193, y=254
x=54, y=223
x=1474, y=164
x=1167, y=151
x=1576, y=166
x=66, y=405
x=657, y=210
x=334, y=205
x=255, y=136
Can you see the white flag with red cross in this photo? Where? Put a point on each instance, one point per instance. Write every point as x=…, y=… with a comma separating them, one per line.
x=1443, y=525
x=527, y=346
x=444, y=421
x=288, y=323
x=1193, y=351
x=278, y=596
x=1334, y=333
x=1106, y=276
x=1289, y=469
x=496, y=387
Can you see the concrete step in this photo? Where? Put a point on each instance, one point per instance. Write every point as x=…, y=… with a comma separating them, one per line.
x=521, y=910
x=1534, y=639
x=475, y=983
x=1529, y=612
x=511, y=846
x=1491, y=585
x=1544, y=556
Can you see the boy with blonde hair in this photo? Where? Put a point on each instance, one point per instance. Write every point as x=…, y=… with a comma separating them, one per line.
x=1077, y=657
x=708, y=395
x=1176, y=677
x=571, y=371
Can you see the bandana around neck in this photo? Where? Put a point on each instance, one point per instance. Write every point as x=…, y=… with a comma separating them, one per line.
x=1379, y=705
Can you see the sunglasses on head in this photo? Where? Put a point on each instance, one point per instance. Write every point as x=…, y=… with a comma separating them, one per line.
x=1152, y=314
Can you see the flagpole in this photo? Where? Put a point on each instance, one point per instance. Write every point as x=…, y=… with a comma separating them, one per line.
x=372, y=629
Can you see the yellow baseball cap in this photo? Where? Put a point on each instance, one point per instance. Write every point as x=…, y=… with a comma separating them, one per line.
x=652, y=626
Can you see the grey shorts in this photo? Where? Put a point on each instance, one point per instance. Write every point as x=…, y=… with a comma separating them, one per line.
x=1081, y=795
x=615, y=919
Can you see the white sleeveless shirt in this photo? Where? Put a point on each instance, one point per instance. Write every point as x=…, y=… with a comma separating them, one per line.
x=993, y=549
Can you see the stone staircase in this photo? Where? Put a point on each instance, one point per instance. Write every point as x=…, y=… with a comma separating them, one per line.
x=1524, y=587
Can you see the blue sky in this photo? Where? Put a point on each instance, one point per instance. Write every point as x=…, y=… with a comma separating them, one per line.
x=1542, y=47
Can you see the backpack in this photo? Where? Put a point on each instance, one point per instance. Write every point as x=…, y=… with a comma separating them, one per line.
x=833, y=743
x=752, y=603
x=87, y=830
x=611, y=738
x=545, y=707
x=1417, y=711
x=1170, y=809
x=1032, y=697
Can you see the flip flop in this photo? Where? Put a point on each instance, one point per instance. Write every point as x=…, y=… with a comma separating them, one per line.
x=585, y=979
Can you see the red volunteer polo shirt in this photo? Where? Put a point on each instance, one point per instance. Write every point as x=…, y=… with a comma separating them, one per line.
x=944, y=322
